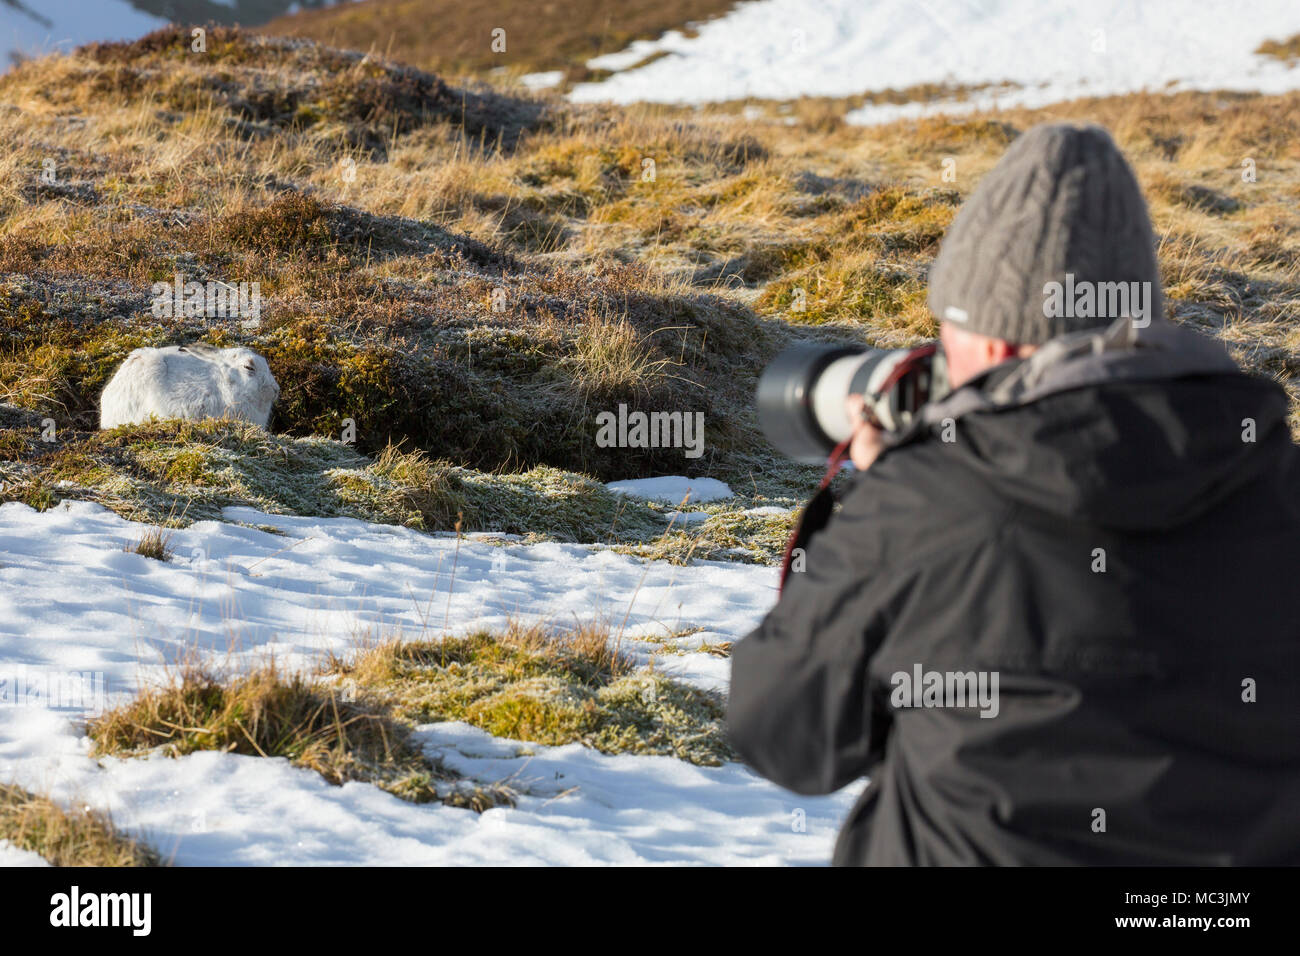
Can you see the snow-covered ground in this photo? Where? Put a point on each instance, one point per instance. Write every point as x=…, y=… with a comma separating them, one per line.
x=74, y=603
x=1046, y=50
x=11, y=855
x=1022, y=52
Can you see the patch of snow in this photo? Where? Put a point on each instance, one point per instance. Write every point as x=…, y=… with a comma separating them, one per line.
x=542, y=81
x=679, y=518
x=577, y=807
x=1042, y=52
x=637, y=51
x=11, y=855
x=72, y=601
x=672, y=489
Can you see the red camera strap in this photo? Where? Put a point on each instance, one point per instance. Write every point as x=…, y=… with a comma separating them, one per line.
x=905, y=366
x=818, y=508
x=833, y=466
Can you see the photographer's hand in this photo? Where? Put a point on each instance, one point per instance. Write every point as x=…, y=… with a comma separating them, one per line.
x=867, y=441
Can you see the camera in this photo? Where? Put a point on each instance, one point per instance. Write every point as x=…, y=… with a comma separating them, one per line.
x=801, y=393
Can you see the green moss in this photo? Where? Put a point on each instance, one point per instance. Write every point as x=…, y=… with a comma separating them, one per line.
x=188, y=467
x=541, y=710
x=15, y=446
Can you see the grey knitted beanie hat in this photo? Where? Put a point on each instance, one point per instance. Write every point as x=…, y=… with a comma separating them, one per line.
x=1055, y=239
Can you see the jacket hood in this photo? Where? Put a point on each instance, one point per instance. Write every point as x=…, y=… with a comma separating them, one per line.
x=1125, y=427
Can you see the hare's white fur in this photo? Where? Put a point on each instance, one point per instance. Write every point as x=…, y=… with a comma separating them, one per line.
x=189, y=381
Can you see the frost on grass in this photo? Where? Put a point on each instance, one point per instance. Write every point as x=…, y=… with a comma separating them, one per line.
x=728, y=535
x=545, y=686
x=178, y=472
x=170, y=474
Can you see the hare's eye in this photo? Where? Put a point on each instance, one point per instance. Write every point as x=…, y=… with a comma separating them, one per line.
x=250, y=367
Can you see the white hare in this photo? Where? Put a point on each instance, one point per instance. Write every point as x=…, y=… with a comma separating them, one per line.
x=189, y=381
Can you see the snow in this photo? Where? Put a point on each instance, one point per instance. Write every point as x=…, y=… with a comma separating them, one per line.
x=766, y=510
x=679, y=518
x=583, y=808
x=1047, y=52
x=73, y=601
x=637, y=51
x=672, y=489
x=542, y=81
x=11, y=855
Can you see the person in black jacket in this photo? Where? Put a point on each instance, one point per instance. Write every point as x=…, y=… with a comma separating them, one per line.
x=1055, y=621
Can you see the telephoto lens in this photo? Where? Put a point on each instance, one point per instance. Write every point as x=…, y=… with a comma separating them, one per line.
x=801, y=395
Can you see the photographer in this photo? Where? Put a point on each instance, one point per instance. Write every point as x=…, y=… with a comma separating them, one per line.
x=1100, y=523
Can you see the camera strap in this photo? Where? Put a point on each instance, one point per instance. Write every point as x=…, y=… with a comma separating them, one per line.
x=816, y=512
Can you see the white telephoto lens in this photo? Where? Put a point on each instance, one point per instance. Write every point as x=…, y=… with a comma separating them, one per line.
x=830, y=391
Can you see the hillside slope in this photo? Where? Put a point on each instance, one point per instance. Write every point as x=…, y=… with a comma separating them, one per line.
x=457, y=38
x=255, y=162
x=474, y=276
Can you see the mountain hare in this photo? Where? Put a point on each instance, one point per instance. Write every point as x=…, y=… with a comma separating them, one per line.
x=189, y=381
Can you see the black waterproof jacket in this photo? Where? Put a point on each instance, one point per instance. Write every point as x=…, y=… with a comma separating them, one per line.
x=1113, y=529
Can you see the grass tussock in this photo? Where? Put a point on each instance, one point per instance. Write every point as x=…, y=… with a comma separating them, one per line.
x=356, y=721
x=266, y=713
x=1287, y=50
x=154, y=543
x=728, y=534
x=172, y=473
x=614, y=359
x=75, y=837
